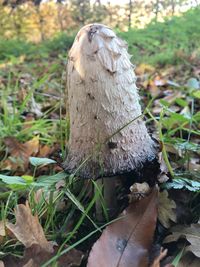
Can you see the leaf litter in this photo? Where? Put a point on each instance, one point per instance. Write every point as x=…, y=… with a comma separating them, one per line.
x=38, y=250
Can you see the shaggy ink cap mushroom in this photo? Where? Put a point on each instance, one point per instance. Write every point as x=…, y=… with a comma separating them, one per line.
x=103, y=100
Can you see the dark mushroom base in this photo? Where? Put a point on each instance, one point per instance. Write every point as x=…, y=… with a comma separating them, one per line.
x=147, y=171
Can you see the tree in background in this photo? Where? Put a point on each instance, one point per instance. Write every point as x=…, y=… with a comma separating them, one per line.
x=130, y=14
x=81, y=11
x=99, y=12
x=38, y=20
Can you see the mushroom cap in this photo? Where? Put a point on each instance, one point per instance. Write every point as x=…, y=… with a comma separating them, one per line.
x=107, y=134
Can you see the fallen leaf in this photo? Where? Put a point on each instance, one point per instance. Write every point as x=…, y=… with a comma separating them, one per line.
x=28, y=229
x=159, y=81
x=32, y=146
x=19, y=152
x=162, y=177
x=126, y=242
x=38, y=250
x=194, y=164
x=30, y=263
x=157, y=260
x=1, y=264
x=166, y=209
x=28, y=122
x=34, y=257
x=191, y=233
x=163, y=166
x=45, y=151
x=143, y=68
x=184, y=213
x=189, y=260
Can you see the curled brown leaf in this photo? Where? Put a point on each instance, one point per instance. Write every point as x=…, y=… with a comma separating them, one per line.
x=126, y=242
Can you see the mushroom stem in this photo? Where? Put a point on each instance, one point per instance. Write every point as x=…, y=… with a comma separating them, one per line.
x=107, y=187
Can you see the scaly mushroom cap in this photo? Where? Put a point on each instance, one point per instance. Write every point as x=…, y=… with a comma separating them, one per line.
x=103, y=99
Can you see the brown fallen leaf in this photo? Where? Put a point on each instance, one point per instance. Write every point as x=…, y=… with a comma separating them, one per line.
x=194, y=164
x=33, y=257
x=144, y=68
x=28, y=229
x=166, y=209
x=126, y=242
x=163, y=175
x=189, y=260
x=20, y=152
x=191, y=233
x=1, y=264
x=30, y=263
x=45, y=151
x=28, y=121
x=38, y=250
x=157, y=260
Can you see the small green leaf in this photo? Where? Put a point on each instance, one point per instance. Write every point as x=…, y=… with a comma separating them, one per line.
x=181, y=102
x=196, y=94
x=12, y=180
x=28, y=178
x=40, y=161
x=49, y=180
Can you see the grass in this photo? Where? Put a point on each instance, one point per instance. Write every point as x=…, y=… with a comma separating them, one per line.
x=67, y=213
x=171, y=42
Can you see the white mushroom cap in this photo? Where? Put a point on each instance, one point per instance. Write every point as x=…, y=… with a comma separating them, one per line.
x=103, y=98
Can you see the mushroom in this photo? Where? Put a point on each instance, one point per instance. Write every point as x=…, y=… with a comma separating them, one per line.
x=108, y=137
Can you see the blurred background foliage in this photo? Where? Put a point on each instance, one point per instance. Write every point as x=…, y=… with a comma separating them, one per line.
x=39, y=28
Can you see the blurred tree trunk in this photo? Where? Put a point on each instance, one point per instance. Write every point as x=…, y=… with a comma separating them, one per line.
x=173, y=4
x=157, y=9
x=130, y=13
x=18, y=21
x=41, y=22
x=59, y=14
x=81, y=10
x=110, y=13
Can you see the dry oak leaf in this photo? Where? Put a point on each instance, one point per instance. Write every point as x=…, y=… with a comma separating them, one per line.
x=28, y=229
x=38, y=250
x=127, y=241
x=191, y=233
x=166, y=209
x=19, y=152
